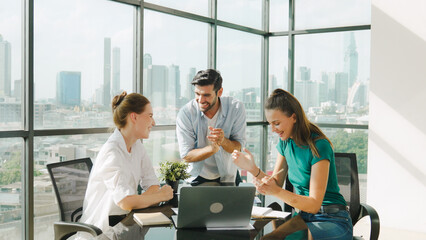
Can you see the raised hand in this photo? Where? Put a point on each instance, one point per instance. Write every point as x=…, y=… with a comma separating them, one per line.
x=244, y=160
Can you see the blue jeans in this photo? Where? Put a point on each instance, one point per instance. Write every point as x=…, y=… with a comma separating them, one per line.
x=329, y=225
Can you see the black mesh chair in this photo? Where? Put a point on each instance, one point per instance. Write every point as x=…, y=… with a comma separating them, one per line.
x=347, y=178
x=69, y=181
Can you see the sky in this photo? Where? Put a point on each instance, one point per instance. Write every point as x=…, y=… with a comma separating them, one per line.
x=69, y=37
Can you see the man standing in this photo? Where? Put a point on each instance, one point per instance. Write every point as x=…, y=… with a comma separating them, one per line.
x=209, y=128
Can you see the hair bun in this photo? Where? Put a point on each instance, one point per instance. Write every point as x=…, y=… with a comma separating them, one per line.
x=118, y=99
x=278, y=91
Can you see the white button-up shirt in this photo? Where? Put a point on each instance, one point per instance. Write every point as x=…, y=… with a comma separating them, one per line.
x=116, y=174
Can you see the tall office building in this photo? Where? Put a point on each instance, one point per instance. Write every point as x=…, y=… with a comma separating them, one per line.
x=157, y=76
x=107, y=72
x=272, y=83
x=303, y=73
x=147, y=60
x=115, y=71
x=68, y=88
x=323, y=88
x=307, y=93
x=189, y=92
x=285, y=78
x=5, y=68
x=351, y=59
x=17, y=89
x=173, y=86
x=341, y=86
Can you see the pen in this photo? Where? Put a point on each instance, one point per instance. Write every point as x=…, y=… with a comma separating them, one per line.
x=273, y=175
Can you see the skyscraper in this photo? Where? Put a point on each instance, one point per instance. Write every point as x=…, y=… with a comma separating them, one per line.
x=189, y=93
x=272, y=83
x=351, y=59
x=115, y=71
x=107, y=72
x=5, y=68
x=303, y=73
x=68, y=88
x=17, y=89
x=173, y=86
x=157, y=85
x=147, y=60
x=341, y=87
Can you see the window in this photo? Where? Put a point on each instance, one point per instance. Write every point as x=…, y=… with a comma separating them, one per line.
x=64, y=148
x=10, y=65
x=332, y=74
x=278, y=15
x=11, y=194
x=335, y=13
x=82, y=58
x=238, y=60
x=242, y=12
x=175, y=49
x=278, y=63
x=200, y=7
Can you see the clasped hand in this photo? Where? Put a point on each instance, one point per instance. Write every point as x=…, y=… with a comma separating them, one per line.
x=216, y=135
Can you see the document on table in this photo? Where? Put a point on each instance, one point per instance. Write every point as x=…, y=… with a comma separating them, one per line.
x=265, y=212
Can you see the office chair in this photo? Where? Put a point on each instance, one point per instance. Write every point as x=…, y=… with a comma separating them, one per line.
x=347, y=178
x=69, y=181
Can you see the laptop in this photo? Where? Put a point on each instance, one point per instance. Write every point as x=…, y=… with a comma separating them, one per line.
x=215, y=207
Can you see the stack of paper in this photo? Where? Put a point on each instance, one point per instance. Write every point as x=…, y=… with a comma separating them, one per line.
x=148, y=219
x=265, y=212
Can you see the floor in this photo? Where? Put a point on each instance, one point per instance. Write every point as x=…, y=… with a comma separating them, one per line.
x=362, y=228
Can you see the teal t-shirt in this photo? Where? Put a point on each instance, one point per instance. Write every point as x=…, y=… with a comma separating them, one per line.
x=300, y=161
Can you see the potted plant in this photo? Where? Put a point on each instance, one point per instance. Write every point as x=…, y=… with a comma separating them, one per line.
x=173, y=171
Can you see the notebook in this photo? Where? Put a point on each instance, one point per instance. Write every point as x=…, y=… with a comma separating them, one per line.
x=148, y=219
x=215, y=207
x=266, y=212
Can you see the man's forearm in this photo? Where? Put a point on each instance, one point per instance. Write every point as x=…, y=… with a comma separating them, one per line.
x=201, y=154
x=230, y=146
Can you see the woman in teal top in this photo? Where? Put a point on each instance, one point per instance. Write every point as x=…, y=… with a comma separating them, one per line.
x=306, y=156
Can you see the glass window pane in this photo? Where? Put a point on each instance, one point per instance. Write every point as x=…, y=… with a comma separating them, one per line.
x=162, y=146
x=278, y=15
x=332, y=75
x=331, y=13
x=11, y=194
x=174, y=50
x=50, y=150
x=10, y=65
x=242, y=12
x=352, y=141
x=238, y=60
x=278, y=63
x=200, y=7
x=88, y=60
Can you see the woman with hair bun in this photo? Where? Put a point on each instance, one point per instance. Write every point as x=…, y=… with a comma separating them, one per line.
x=306, y=155
x=122, y=164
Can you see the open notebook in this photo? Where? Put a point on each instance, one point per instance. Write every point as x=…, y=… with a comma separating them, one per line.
x=148, y=219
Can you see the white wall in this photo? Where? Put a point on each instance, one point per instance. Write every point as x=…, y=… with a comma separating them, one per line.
x=397, y=128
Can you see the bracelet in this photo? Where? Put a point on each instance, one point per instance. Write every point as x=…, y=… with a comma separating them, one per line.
x=257, y=173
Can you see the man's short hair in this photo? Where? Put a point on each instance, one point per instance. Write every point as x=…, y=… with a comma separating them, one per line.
x=208, y=77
